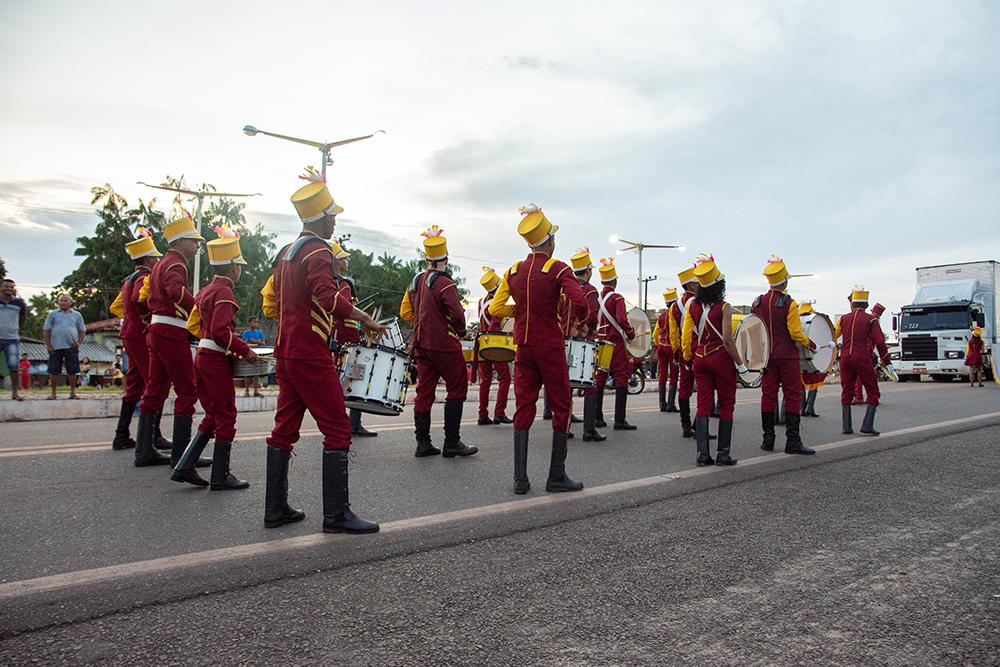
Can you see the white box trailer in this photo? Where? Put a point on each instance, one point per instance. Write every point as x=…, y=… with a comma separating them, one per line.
x=934, y=330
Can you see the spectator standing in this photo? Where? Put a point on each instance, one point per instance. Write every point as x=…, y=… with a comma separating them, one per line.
x=64, y=331
x=85, y=371
x=13, y=313
x=253, y=337
x=24, y=369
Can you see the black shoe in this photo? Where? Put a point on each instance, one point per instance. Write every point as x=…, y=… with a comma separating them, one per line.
x=426, y=449
x=521, y=483
x=868, y=425
x=503, y=419
x=558, y=480
x=793, y=439
x=145, y=453
x=671, y=398
x=357, y=430
x=767, y=426
x=624, y=426
x=485, y=421
x=845, y=420
x=590, y=433
x=600, y=423
x=184, y=470
x=662, y=390
x=453, y=445
x=459, y=448
x=701, y=434
x=122, y=439
x=547, y=415
x=810, y=409
x=593, y=436
x=422, y=431
x=573, y=419
x=222, y=479
x=722, y=457
x=277, y=511
x=621, y=404
x=337, y=514
x=686, y=430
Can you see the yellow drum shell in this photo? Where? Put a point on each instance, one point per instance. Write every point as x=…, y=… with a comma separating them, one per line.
x=468, y=353
x=605, y=351
x=496, y=347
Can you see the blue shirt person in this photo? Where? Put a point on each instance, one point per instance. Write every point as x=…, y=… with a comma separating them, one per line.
x=64, y=331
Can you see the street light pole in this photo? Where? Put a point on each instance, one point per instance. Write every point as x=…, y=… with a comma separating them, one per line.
x=323, y=146
x=645, y=290
x=639, y=247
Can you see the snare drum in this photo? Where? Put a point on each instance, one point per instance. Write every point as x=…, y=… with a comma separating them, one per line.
x=375, y=378
x=393, y=337
x=581, y=357
x=605, y=351
x=246, y=369
x=468, y=351
x=754, y=345
x=819, y=329
x=497, y=347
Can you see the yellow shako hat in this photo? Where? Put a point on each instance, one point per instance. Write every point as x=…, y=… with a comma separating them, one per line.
x=706, y=271
x=806, y=308
x=435, y=245
x=313, y=200
x=687, y=276
x=181, y=228
x=490, y=279
x=859, y=294
x=225, y=249
x=775, y=271
x=669, y=295
x=534, y=227
x=338, y=251
x=581, y=260
x=607, y=270
x=143, y=246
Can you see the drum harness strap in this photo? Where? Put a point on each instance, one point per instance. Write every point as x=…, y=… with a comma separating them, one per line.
x=601, y=300
x=704, y=321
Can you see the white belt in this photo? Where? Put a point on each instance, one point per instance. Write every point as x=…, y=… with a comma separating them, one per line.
x=210, y=344
x=172, y=321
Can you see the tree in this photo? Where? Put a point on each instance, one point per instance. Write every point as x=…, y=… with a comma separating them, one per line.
x=38, y=309
x=3, y=269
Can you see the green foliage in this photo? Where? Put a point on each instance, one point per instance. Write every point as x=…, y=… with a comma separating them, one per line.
x=3, y=269
x=38, y=309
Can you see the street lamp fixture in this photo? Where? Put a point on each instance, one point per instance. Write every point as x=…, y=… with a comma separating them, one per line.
x=639, y=246
x=323, y=146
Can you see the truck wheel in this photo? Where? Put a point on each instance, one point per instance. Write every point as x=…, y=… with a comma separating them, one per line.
x=940, y=377
x=902, y=378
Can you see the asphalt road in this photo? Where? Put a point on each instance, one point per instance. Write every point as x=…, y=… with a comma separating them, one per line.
x=874, y=551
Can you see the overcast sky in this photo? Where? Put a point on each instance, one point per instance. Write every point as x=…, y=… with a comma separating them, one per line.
x=856, y=140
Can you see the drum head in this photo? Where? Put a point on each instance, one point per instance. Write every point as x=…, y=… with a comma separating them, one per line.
x=507, y=325
x=820, y=331
x=754, y=346
x=263, y=351
x=638, y=347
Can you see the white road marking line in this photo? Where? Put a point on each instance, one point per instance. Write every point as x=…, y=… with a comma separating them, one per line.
x=94, y=446
x=27, y=587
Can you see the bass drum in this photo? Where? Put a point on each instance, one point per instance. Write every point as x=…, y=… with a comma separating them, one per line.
x=819, y=328
x=754, y=345
x=639, y=346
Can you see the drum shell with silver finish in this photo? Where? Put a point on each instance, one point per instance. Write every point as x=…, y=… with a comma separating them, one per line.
x=819, y=329
x=581, y=358
x=375, y=378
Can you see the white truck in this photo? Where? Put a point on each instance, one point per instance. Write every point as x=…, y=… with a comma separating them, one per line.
x=933, y=331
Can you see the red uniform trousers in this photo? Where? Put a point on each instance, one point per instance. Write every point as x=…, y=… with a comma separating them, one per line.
x=433, y=365
x=715, y=373
x=138, y=369
x=170, y=363
x=534, y=367
x=485, y=371
x=217, y=394
x=666, y=367
x=313, y=385
x=788, y=374
x=859, y=394
x=685, y=382
x=852, y=370
x=621, y=368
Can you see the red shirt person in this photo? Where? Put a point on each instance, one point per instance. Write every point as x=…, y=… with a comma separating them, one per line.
x=169, y=301
x=583, y=269
x=780, y=314
x=667, y=367
x=861, y=335
x=614, y=327
x=431, y=302
x=213, y=322
x=135, y=319
x=302, y=294
x=485, y=368
x=534, y=284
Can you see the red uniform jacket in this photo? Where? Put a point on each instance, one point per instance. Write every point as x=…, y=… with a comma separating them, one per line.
x=217, y=307
x=676, y=318
x=662, y=329
x=487, y=322
x=974, y=352
x=169, y=294
x=136, y=317
x=535, y=285
x=346, y=330
x=614, y=303
x=432, y=304
x=784, y=326
x=593, y=308
x=708, y=341
x=306, y=296
x=861, y=333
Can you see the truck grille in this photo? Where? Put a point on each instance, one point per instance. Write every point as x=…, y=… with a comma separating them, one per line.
x=919, y=348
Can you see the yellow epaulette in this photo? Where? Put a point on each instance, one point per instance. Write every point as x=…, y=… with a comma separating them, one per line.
x=194, y=322
x=144, y=292
x=549, y=264
x=513, y=268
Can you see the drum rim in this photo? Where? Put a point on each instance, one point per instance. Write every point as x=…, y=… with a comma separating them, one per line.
x=739, y=326
x=376, y=346
x=833, y=357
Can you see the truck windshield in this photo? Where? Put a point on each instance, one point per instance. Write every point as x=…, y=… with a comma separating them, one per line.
x=925, y=319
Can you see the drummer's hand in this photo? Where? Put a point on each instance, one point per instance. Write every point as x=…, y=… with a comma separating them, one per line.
x=251, y=356
x=372, y=328
x=812, y=345
x=741, y=369
x=832, y=344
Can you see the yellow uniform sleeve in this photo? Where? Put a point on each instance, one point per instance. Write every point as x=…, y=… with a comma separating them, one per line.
x=795, y=325
x=687, y=337
x=499, y=306
x=836, y=329
x=674, y=330
x=656, y=334
x=118, y=307
x=270, y=305
x=144, y=291
x=406, y=308
x=194, y=322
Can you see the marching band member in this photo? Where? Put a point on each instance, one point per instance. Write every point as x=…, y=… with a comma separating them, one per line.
x=780, y=314
x=583, y=269
x=346, y=330
x=685, y=375
x=169, y=301
x=490, y=324
x=707, y=343
x=535, y=283
x=431, y=302
x=213, y=321
x=135, y=319
x=302, y=295
x=614, y=327
x=667, y=368
x=974, y=356
x=861, y=333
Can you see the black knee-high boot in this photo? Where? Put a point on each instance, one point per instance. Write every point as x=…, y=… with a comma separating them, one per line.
x=558, y=479
x=422, y=431
x=122, y=438
x=357, y=430
x=621, y=403
x=159, y=441
x=793, y=437
x=546, y=409
x=453, y=445
x=685, y=404
x=590, y=433
x=701, y=436
x=277, y=511
x=521, y=483
x=722, y=457
x=145, y=453
x=337, y=514
x=663, y=397
x=845, y=419
x=672, y=398
x=222, y=478
x=599, y=409
x=767, y=426
x=184, y=470
x=868, y=425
